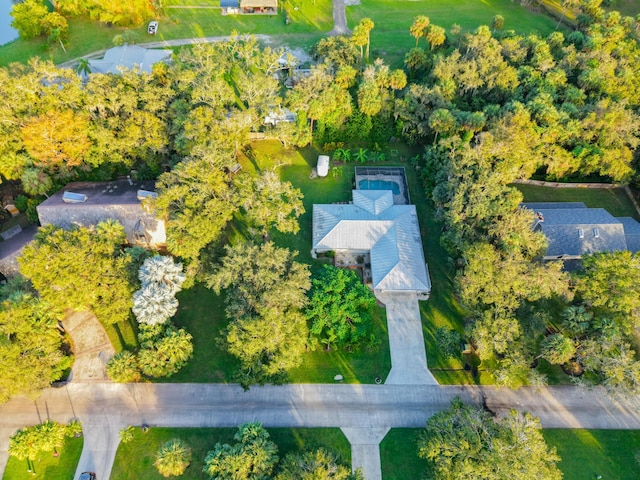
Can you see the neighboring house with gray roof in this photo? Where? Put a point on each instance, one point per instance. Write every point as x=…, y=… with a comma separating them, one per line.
x=88, y=203
x=129, y=57
x=573, y=230
x=373, y=225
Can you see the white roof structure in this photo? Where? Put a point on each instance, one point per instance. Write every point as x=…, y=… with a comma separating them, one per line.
x=129, y=56
x=323, y=165
x=390, y=233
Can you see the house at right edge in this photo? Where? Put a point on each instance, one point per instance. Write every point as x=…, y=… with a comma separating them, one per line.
x=573, y=230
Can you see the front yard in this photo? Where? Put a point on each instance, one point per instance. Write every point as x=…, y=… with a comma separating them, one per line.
x=48, y=467
x=586, y=454
x=134, y=460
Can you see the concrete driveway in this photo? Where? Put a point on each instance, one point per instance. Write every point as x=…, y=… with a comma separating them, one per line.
x=406, y=341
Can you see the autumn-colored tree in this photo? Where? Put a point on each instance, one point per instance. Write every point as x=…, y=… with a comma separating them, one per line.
x=57, y=141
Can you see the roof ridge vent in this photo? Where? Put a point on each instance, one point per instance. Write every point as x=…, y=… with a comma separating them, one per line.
x=72, y=197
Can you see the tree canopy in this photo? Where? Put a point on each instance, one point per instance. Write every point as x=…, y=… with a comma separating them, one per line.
x=339, y=307
x=252, y=457
x=81, y=268
x=265, y=290
x=30, y=347
x=467, y=442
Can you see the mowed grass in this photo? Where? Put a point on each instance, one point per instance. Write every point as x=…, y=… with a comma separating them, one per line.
x=134, y=460
x=390, y=37
x=399, y=455
x=613, y=200
x=85, y=36
x=585, y=454
x=48, y=467
x=606, y=454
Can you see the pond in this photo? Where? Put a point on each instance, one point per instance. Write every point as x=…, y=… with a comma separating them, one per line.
x=7, y=33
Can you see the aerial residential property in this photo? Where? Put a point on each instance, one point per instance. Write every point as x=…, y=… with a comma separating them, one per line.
x=356, y=239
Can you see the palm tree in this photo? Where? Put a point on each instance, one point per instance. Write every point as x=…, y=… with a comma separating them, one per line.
x=361, y=155
x=173, y=458
x=83, y=68
x=162, y=269
x=154, y=303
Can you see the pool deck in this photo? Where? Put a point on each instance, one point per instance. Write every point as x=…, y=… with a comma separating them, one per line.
x=378, y=175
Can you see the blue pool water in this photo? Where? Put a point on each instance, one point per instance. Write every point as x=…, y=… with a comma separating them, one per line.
x=379, y=185
x=7, y=32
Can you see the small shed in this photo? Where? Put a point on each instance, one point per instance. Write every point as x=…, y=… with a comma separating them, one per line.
x=230, y=7
x=323, y=165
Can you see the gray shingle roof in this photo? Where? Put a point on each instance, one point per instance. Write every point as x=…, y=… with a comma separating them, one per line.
x=117, y=200
x=129, y=56
x=576, y=231
x=631, y=233
x=389, y=232
x=552, y=205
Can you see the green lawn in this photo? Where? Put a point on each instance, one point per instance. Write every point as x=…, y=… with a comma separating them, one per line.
x=305, y=28
x=134, y=460
x=47, y=466
x=612, y=454
x=392, y=18
x=614, y=200
x=399, y=455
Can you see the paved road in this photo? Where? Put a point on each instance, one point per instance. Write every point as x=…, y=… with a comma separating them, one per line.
x=103, y=408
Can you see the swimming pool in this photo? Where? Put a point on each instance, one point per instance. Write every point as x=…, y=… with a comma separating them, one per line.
x=366, y=184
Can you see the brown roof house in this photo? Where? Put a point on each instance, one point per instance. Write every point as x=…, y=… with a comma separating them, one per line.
x=88, y=203
x=266, y=7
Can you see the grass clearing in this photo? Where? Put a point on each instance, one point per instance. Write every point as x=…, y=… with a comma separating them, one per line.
x=134, y=460
x=589, y=453
x=399, y=455
x=585, y=453
x=613, y=200
x=48, y=467
x=85, y=36
x=392, y=18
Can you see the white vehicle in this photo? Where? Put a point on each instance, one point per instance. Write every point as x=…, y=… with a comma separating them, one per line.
x=152, y=29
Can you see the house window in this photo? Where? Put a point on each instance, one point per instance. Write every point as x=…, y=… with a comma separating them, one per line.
x=596, y=233
x=581, y=233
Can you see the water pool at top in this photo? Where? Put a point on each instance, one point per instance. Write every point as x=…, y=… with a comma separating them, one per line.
x=379, y=185
x=7, y=32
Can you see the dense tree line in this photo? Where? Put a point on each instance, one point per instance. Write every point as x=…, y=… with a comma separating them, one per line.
x=493, y=107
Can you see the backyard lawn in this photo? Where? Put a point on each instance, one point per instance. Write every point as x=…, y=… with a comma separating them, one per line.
x=48, y=467
x=134, y=460
x=613, y=200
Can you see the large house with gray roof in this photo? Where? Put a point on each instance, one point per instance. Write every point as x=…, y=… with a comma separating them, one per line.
x=86, y=204
x=129, y=57
x=372, y=224
x=573, y=230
